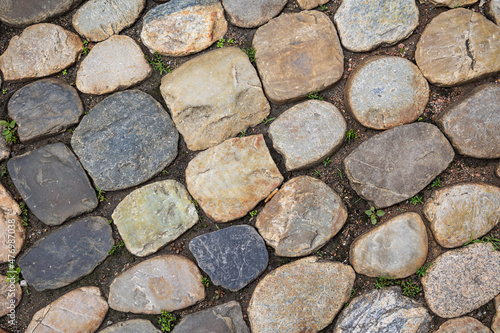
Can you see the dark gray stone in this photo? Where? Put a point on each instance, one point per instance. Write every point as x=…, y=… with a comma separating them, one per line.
x=232, y=257
x=132, y=326
x=225, y=318
x=125, y=140
x=21, y=13
x=67, y=254
x=252, y=13
x=44, y=108
x=52, y=183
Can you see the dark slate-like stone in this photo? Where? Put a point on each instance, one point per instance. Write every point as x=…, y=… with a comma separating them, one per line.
x=252, y=13
x=52, y=183
x=232, y=257
x=67, y=254
x=125, y=140
x=21, y=13
x=44, y=108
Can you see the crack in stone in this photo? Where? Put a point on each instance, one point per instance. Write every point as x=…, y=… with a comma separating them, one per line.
x=469, y=54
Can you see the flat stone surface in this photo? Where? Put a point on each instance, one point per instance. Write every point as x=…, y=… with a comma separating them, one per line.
x=297, y=54
x=44, y=108
x=310, y=4
x=11, y=226
x=461, y=212
x=463, y=325
x=97, y=20
x=448, y=3
x=132, y=326
x=293, y=299
x=384, y=310
x=154, y=215
x=252, y=13
x=125, y=140
x=179, y=27
x=10, y=294
x=302, y=217
x=115, y=64
x=472, y=124
x=214, y=96
x=495, y=325
x=52, y=183
x=307, y=133
x=21, y=13
x=366, y=25
x=394, y=165
x=225, y=318
x=67, y=254
x=462, y=280
x=232, y=257
x=385, y=92
x=458, y=46
x=51, y=49
x=230, y=179
x=166, y=282
x=79, y=311
x=493, y=11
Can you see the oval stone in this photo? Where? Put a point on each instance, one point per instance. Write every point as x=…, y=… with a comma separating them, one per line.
x=463, y=325
x=252, y=13
x=21, y=13
x=448, y=3
x=132, y=326
x=11, y=226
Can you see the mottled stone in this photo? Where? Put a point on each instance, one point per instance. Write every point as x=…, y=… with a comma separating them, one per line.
x=225, y=318
x=4, y=147
x=179, y=27
x=41, y=50
x=303, y=296
x=308, y=133
x=395, y=249
x=302, y=217
x=232, y=257
x=79, y=311
x=493, y=11
x=214, y=96
x=11, y=228
x=394, y=165
x=296, y=54
x=97, y=20
x=385, y=92
x=462, y=280
x=472, y=124
x=310, y=4
x=463, y=325
x=384, y=310
x=67, y=254
x=44, y=108
x=495, y=325
x=252, y=13
x=230, y=179
x=52, y=183
x=10, y=295
x=458, y=46
x=21, y=13
x=366, y=25
x=132, y=326
x=448, y=3
x=154, y=215
x=125, y=140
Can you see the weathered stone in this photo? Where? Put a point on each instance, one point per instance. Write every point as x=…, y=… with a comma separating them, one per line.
x=366, y=25
x=463, y=325
x=132, y=326
x=11, y=227
x=97, y=20
x=52, y=183
x=462, y=280
x=225, y=318
x=308, y=133
x=125, y=140
x=473, y=123
x=302, y=217
x=303, y=296
x=462, y=212
x=458, y=46
x=297, y=54
x=4, y=147
x=67, y=254
x=385, y=92
x=493, y=11
x=179, y=27
x=395, y=249
x=498, y=170
x=79, y=311
x=310, y=4
x=232, y=257
x=166, y=282
x=395, y=165
x=41, y=50
x=10, y=295
x=252, y=13
x=21, y=13
x=214, y=97
x=385, y=310
x=153, y=216
x=495, y=325
x=230, y=179
x=448, y=3
x=44, y=108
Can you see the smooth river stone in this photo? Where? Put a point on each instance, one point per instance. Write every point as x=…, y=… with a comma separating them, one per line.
x=166, y=282
x=448, y=3
x=396, y=248
x=302, y=217
x=132, y=326
x=303, y=296
x=310, y=4
x=230, y=179
x=458, y=46
x=463, y=325
x=214, y=96
x=394, y=165
x=21, y=13
x=252, y=13
x=10, y=296
x=12, y=232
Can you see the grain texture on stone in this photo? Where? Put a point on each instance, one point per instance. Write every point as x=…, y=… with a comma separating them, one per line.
x=11, y=226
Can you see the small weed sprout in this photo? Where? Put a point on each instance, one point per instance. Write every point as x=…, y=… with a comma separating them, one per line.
x=219, y=294
x=423, y=270
x=350, y=135
x=166, y=321
x=486, y=239
x=3, y=170
x=243, y=133
x=415, y=200
x=110, y=222
x=10, y=130
x=436, y=183
x=100, y=194
x=408, y=287
x=120, y=244
x=420, y=119
x=267, y=121
x=326, y=161
x=383, y=281
x=86, y=49
x=339, y=172
x=253, y=213
x=317, y=173
x=250, y=53
x=65, y=72
x=322, y=7
x=221, y=42
x=315, y=95
x=164, y=172
x=13, y=274
x=374, y=214
x=24, y=213
x=205, y=281
x=4, y=91
x=158, y=65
